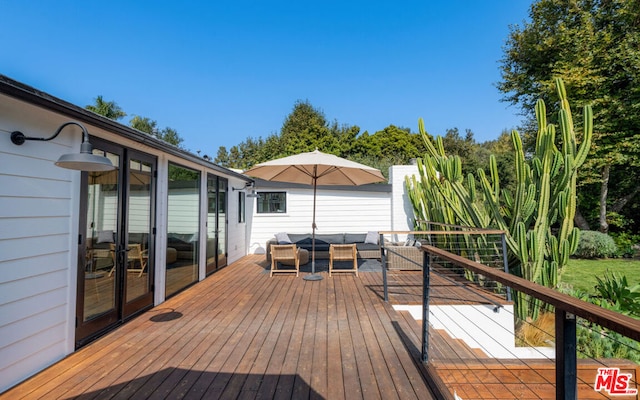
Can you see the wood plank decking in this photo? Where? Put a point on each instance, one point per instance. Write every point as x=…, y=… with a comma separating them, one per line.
x=242, y=335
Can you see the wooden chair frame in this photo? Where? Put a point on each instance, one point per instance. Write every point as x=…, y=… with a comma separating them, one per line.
x=343, y=252
x=287, y=253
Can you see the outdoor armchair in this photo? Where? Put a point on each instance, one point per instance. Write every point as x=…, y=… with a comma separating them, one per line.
x=286, y=254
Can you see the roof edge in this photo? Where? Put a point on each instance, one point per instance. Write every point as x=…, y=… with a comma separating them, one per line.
x=29, y=94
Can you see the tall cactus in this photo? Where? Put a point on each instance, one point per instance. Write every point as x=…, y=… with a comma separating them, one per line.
x=537, y=216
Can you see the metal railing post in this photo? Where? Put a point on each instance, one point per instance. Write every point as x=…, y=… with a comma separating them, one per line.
x=505, y=262
x=566, y=359
x=384, y=268
x=426, y=261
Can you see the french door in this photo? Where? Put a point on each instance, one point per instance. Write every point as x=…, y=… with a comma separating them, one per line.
x=217, y=222
x=116, y=243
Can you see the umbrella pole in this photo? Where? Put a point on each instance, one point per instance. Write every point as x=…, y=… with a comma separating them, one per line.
x=313, y=276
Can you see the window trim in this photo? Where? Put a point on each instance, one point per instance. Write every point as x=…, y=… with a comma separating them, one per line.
x=242, y=207
x=284, y=201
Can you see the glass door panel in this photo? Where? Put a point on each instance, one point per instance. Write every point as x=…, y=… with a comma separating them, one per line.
x=183, y=225
x=221, y=227
x=115, y=268
x=216, y=223
x=212, y=204
x=97, y=278
x=139, y=261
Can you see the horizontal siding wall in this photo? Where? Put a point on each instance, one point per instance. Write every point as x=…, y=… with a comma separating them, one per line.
x=36, y=245
x=38, y=235
x=337, y=211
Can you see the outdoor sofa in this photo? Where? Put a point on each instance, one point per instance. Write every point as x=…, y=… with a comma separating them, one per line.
x=367, y=245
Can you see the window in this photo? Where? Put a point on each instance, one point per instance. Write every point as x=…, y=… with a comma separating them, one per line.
x=272, y=202
x=241, y=207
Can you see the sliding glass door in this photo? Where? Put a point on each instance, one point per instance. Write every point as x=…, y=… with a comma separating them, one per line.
x=183, y=227
x=115, y=265
x=217, y=221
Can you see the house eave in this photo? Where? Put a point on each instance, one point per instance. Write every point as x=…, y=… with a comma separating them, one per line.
x=39, y=98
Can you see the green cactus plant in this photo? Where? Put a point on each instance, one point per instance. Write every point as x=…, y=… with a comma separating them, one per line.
x=537, y=216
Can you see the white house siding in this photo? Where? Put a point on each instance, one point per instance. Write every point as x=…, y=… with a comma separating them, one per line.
x=337, y=211
x=39, y=205
x=37, y=222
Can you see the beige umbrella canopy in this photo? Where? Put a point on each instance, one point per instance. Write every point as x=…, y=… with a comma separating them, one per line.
x=316, y=168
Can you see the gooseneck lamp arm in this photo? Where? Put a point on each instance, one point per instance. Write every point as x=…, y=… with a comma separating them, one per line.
x=84, y=161
x=19, y=138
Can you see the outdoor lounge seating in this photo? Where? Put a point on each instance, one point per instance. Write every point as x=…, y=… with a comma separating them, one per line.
x=367, y=246
x=285, y=254
x=343, y=252
x=402, y=257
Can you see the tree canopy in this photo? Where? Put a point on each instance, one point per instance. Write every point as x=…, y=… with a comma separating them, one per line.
x=594, y=46
x=109, y=109
x=307, y=128
x=112, y=110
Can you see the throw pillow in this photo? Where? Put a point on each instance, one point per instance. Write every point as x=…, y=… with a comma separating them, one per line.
x=372, y=237
x=283, y=238
x=105, y=237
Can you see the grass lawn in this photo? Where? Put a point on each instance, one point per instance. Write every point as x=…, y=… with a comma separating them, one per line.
x=581, y=274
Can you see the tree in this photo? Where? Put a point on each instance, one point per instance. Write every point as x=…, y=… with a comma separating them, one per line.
x=109, y=109
x=594, y=46
x=222, y=157
x=392, y=142
x=143, y=124
x=170, y=135
x=147, y=125
x=474, y=155
x=305, y=129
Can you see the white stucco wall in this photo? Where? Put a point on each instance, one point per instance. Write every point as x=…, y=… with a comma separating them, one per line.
x=401, y=209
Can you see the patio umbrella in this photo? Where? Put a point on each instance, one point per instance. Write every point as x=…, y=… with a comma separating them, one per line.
x=315, y=168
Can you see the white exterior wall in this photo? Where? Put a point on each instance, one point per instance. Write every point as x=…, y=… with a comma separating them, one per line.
x=337, y=211
x=402, y=217
x=39, y=220
x=37, y=227
x=238, y=236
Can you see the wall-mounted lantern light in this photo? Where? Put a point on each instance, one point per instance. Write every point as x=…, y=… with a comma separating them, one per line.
x=83, y=161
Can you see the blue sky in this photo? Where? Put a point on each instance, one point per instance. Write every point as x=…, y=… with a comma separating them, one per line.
x=222, y=71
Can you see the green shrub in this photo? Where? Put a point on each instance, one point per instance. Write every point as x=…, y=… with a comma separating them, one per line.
x=603, y=343
x=595, y=244
x=614, y=289
x=625, y=243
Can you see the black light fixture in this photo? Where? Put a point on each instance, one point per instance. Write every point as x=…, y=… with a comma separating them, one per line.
x=246, y=186
x=83, y=161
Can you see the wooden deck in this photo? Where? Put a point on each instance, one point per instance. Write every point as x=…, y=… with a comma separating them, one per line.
x=242, y=335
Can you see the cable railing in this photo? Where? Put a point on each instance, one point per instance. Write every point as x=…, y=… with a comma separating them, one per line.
x=573, y=349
